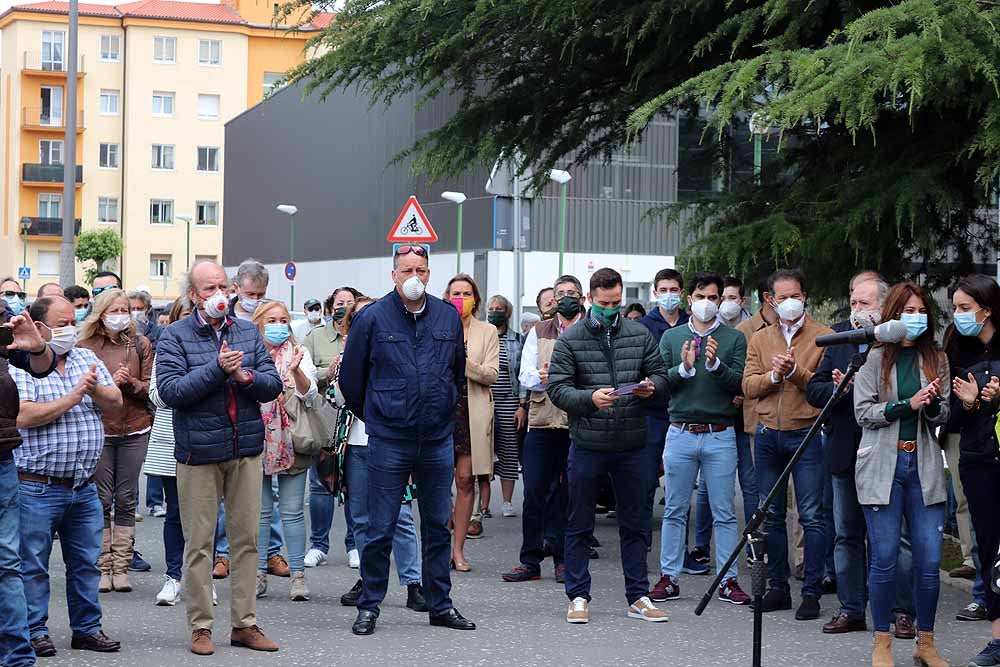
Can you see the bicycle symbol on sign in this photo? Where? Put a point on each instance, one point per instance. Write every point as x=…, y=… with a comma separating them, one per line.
x=411, y=227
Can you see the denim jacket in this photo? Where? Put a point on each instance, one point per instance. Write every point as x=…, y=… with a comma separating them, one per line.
x=514, y=344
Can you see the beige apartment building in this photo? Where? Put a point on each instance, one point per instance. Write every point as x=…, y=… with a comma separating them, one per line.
x=157, y=82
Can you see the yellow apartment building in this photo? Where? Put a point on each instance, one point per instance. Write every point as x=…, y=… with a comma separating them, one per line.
x=157, y=81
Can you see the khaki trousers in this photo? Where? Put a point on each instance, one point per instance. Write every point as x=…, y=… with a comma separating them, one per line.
x=962, y=511
x=200, y=490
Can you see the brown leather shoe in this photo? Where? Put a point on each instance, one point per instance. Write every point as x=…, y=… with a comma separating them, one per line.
x=905, y=628
x=843, y=623
x=98, y=642
x=475, y=530
x=201, y=642
x=44, y=648
x=963, y=572
x=252, y=638
x=221, y=569
x=278, y=566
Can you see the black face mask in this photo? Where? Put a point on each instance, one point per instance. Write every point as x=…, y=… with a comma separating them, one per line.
x=497, y=318
x=339, y=313
x=549, y=314
x=569, y=307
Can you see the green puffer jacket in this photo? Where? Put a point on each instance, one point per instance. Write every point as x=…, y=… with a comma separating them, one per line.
x=587, y=358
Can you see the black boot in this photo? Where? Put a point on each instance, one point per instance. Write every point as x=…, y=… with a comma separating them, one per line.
x=415, y=598
x=351, y=597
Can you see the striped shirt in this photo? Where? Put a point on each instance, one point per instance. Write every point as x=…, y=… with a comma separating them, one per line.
x=70, y=446
x=160, y=454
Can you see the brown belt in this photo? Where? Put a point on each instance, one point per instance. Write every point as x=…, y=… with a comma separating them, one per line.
x=908, y=446
x=701, y=428
x=64, y=482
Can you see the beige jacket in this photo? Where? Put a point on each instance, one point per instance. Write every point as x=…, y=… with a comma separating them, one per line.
x=748, y=328
x=541, y=413
x=482, y=367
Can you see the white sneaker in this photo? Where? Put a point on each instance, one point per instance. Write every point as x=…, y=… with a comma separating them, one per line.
x=645, y=610
x=170, y=594
x=507, y=510
x=215, y=597
x=353, y=559
x=315, y=557
x=159, y=511
x=579, y=611
x=261, y=585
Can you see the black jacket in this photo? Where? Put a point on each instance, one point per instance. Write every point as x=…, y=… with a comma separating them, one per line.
x=967, y=354
x=588, y=357
x=842, y=431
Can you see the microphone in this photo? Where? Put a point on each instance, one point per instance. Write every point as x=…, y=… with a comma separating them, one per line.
x=892, y=331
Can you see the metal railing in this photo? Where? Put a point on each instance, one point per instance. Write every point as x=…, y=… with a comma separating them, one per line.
x=33, y=62
x=46, y=226
x=42, y=117
x=47, y=173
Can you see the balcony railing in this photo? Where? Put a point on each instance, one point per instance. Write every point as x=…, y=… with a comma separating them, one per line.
x=46, y=227
x=42, y=118
x=47, y=173
x=33, y=62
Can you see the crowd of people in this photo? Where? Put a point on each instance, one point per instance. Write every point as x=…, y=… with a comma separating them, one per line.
x=241, y=427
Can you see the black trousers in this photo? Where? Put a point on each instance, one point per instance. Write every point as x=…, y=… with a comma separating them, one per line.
x=981, y=481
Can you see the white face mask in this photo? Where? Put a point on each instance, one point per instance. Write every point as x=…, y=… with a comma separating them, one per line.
x=790, y=310
x=704, y=310
x=314, y=316
x=249, y=305
x=116, y=323
x=63, y=339
x=413, y=288
x=730, y=310
x=216, y=306
x=140, y=316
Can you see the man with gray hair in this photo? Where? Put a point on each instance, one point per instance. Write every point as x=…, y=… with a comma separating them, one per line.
x=250, y=284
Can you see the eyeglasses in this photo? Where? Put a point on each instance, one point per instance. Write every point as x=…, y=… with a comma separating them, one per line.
x=11, y=293
x=571, y=294
x=417, y=250
x=313, y=309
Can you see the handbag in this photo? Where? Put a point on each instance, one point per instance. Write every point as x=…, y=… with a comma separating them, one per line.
x=309, y=429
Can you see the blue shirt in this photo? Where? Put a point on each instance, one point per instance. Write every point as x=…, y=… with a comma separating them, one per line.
x=70, y=446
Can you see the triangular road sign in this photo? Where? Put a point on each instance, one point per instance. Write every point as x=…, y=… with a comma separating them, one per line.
x=412, y=225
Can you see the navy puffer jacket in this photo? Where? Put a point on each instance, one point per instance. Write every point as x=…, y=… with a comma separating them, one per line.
x=190, y=380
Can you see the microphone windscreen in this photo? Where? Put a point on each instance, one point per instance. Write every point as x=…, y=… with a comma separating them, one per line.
x=892, y=331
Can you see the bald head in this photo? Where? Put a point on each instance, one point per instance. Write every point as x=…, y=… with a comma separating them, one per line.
x=865, y=276
x=205, y=279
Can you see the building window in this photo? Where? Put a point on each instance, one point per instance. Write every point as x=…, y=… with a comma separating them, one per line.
x=48, y=262
x=164, y=49
x=49, y=205
x=204, y=258
x=109, y=156
x=273, y=81
x=208, y=213
x=109, y=102
x=163, y=156
x=209, y=52
x=208, y=159
x=163, y=103
x=51, y=112
x=52, y=51
x=159, y=266
x=161, y=212
x=208, y=106
x=110, y=48
x=50, y=151
x=107, y=209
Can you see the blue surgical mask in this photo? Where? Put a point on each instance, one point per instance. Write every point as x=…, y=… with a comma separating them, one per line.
x=916, y=324
x=80, y=314
x=668, y=301
x=276, y=333
x=15, y=304
x=966, y=324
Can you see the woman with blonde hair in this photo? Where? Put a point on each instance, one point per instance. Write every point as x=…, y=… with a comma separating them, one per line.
x=280, y=458
x=110, y=333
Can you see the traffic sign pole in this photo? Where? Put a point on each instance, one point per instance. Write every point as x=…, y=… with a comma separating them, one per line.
x=291, y=259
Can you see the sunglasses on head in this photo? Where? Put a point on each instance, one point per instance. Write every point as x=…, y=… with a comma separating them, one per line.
x=11, y=293
x=98, y=290
x=420, y=251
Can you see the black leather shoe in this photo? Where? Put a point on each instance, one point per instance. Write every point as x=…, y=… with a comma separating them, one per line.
x=351, y=597
x=415, y=598
x=44, y=648
x=364, y=624
x=452, y=619
x=775, y=600
x=98, y=641
x=808, y=610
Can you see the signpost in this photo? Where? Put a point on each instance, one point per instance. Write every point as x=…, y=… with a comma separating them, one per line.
x=412, y=225
x=290, y=272
x=24, y=273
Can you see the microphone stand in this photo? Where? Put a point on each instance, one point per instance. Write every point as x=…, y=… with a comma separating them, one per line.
x=752, y=533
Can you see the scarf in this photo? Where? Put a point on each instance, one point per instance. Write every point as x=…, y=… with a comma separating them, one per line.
x=279, y=452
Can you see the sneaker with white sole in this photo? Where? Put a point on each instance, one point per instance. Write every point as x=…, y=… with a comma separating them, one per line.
x=261, y=585
x=215, y=597
x=315, y=558
x=170, y=594
x=645, y=610
x=158, y=511
x=579, y=611
x=507, y=510
x=353, y=559
x=299, y=592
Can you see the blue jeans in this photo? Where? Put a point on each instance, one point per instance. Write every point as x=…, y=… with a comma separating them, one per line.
x=173, y=536
x=291, y=507
x=544, y=510
x=656, y=435
x=849, y=552
x=702, y=516
x=78, y=517
x=321, y=508
x=925, y=524
x=390, y=465
x=349, y=543
x=748, y=487
x=15, y=645
x=714, y=455
x=405, y=547
x=774, y=450
x=154, y=491
x=585, y=469
x=829, y=525
x=222, y=542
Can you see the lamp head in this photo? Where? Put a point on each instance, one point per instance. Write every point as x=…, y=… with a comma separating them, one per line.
x=456, y=197
x=559, y=176
x=288, y=209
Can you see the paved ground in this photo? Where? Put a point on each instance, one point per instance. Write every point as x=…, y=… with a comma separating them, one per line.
x=519, y=624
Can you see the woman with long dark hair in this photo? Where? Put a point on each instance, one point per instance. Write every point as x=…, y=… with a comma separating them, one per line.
x=974, y=352
x=900, y=398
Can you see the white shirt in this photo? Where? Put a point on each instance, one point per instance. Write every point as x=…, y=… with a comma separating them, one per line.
x=687, y=374
x=528, y=376
x=358, y=435
x=789, y=333
x=309, y=368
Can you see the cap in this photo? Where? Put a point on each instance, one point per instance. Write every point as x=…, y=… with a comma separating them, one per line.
x=144, y=288
x=311, y=303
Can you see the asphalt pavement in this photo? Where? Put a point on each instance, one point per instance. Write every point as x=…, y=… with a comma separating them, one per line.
x=519, y=624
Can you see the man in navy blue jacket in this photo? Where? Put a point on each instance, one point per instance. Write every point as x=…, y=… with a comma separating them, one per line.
x=403, y=369
x=214, y=371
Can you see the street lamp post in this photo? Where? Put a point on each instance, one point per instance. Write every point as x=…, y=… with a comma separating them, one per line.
x=290, y=210
x=187, y=219
x=562, y=178
x=457, y=198
x=758, y=128
x=25, y=226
